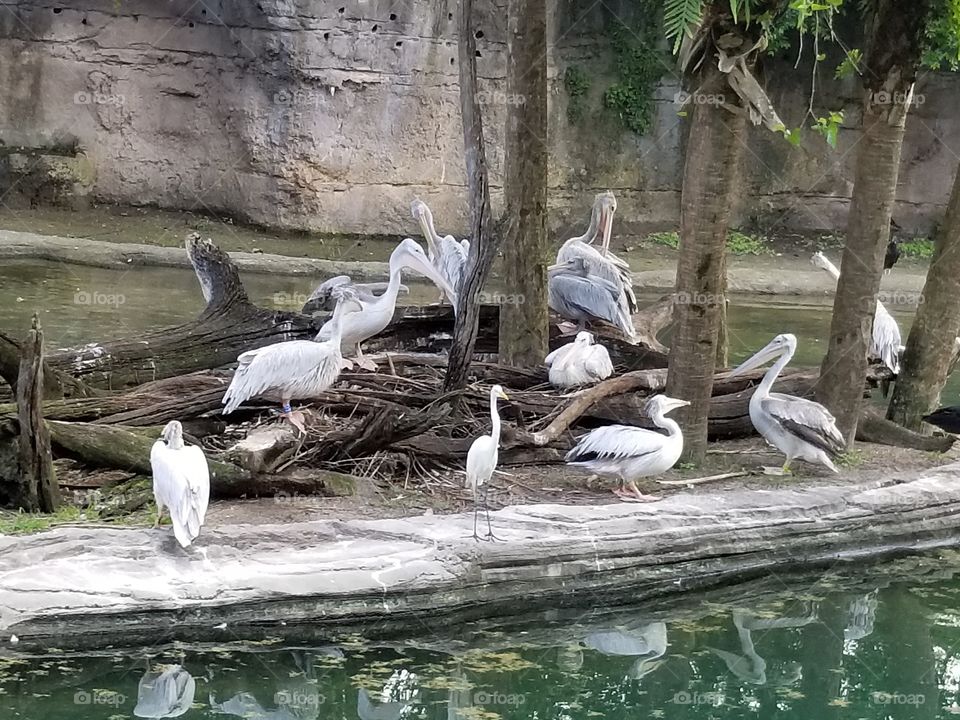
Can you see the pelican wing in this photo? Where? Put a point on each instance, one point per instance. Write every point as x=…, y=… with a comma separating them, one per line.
x=609, y=267
x=886, y=339
x=616, y=441
x=280, y=367
x=597, y=362
x=574, y=296
x=451, y=260
x=808, y=420
x=557, y=355
x=181, y=482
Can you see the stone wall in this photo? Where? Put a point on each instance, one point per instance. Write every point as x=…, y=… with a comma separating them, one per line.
x=331, y=115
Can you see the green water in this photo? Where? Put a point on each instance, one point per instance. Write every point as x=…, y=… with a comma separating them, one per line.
x=834, y=645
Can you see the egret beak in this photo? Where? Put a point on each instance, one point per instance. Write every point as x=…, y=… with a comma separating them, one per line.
x=502, y=395
x=759, y=359
x=673, y=404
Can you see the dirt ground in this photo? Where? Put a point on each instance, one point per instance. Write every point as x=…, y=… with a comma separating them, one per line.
x=571, y=486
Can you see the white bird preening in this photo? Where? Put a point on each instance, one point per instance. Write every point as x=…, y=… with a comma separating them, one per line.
x=629, y=453
x=297, y=369
x=375, y=315
x=885, y=343
x=482, y=461
x=181, y=483
x=581, y=362
x=576, y=295
x=448, y=255
x=327, y=294
x=797, y=427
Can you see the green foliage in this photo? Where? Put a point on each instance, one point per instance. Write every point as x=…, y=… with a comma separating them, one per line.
x=667, y=239
x=851, y=458
x=577, y=84
x=920, y=248
x=850, y=64
x=13, y=523
x=639, y=67
x=829, y=127
x=739, y=243
x=680, y=17
x=942, y=47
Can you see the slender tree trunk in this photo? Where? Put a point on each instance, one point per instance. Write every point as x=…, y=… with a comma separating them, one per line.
x=714, y=148
x=891, y=67
x=524, y=332
x=483, y=245
x=930, y=346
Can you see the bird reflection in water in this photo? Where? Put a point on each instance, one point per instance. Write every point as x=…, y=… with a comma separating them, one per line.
x=647, y=643
x=165, y=691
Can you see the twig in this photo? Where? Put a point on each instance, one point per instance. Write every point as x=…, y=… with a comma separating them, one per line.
x=709, y=478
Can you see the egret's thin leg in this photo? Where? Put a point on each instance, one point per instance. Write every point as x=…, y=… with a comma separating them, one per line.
x=159, y=515
x=476, y=510
x=486, y=507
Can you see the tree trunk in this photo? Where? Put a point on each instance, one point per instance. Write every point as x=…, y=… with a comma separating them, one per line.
x=38, y=483
x=714, y=147
x=523, y=318
x=891, y=66
x=483, y=244
x=930, y=346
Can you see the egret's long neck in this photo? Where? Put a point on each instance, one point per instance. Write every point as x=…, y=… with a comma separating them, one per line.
x=830, y=268
x=494, y=421
x=774, y=372
x=662, y=421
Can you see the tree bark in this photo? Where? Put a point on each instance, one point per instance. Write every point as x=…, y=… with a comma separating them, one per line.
x=38, y=483
x=892, y=59
x=483, y=244
x=930, y=345
x=524, y=334
x=709, y=192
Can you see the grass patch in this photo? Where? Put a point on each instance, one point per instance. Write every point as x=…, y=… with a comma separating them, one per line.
x=918, y=248
x=738, y=243
x=851, y=458
x=18, y=523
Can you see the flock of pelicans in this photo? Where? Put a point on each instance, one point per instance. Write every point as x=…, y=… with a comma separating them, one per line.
x=587, y=284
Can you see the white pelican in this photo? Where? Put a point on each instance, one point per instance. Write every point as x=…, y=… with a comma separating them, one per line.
x=181, y=483
x=630, y=453
x=375, y=315
x=482, y=459
x=448, y=255
x=885, y=345
x=326, y=295
x=798, y=428
x=295, y=369
x=574, y=294
x=601, y=262
x=581, y=362
x=165, y=694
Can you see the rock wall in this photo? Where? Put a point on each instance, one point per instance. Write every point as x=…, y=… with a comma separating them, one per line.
x=332, y=115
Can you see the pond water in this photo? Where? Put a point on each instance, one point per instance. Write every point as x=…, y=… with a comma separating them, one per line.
x=866, y=645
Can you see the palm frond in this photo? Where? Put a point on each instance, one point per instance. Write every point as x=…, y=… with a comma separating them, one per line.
x=680, y=17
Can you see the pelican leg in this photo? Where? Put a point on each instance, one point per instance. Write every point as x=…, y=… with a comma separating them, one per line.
x=363, y=362
x=635, y=495
x=294, y=418
x=567, y=328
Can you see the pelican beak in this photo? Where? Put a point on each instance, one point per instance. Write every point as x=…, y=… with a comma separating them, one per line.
x=761, y=358
x=557, y=266
x=420, y=264
x=606, y=227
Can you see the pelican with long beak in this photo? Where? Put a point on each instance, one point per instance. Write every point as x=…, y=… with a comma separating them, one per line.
x=446, y=254
x=796, y=427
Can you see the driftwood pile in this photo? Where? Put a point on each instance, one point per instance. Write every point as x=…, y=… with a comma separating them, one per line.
x=104, y=403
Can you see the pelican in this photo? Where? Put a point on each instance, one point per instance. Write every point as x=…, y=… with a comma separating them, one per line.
x=482, y=460
x=602, y=263
x=448, y=255
x=181, y=483
x=574, y=294
x=647, y=643
x=630, y=453
x=326, y=295
x=750, y=667
x=165, y=694
x=295, y=369
x=796, y=427
x=581, y=362
x=885, y=344
x=375, y=315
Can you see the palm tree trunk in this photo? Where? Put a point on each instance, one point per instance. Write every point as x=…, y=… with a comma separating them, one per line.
x=524, y=332
x=714, y=147
x=930, y=346
x=891, y=67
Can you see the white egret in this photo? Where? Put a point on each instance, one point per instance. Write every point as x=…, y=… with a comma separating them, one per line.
x=798, y=428
x=165, y=693
x=297, y=369
x=181, y=483
x=448, y=255
x=482, y=460
x=581, y=362
x=375, y=315
x=885, y=343
x=629, y=453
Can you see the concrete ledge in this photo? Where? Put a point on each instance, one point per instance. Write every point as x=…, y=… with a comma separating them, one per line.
x=91, y=586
